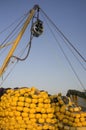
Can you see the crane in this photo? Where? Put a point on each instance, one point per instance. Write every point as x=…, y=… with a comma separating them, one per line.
x=36, y=30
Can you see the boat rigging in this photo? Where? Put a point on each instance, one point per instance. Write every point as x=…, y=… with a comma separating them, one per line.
x=36, y=31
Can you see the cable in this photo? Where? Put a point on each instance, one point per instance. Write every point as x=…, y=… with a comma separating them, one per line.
x=31, y=37
x=64, y=37
x=13, y=23
x=67, y=58
x=13, y=30
x=22, y=59
x=74, y=54
x=7, y=44
x=8, y=74
x=17, y=28
x=18, y=59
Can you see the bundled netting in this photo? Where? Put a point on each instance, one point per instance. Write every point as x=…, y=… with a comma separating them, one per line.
x=32, y=109
x=69, y=115
x=26, y=109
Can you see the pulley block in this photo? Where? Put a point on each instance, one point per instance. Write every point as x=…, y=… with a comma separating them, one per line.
x=37, y=28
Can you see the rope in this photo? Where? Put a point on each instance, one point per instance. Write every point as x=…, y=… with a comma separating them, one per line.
x=14, y=29
x=18, y=59
x=64, y=37
x=15, y=57
x=8, y=74
x=22, y=59
x=73, y=53
x=7, y=44
x=67, y=58
x=5, y=29
x=84, y=68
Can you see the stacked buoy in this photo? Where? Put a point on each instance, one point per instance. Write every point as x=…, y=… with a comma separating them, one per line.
x=32, y=109
x=70, y=116
x=26, y=109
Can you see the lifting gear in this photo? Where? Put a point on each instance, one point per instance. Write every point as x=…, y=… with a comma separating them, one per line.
x=37, y=28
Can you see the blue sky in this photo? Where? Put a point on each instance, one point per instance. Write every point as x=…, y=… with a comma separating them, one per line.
x=46, y=67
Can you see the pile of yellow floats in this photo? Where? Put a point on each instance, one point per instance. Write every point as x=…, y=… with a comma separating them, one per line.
x=32, y=109
x=26, y=109
x=70, y=116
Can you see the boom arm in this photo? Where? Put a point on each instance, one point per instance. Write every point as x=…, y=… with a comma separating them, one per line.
x=17, y=40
